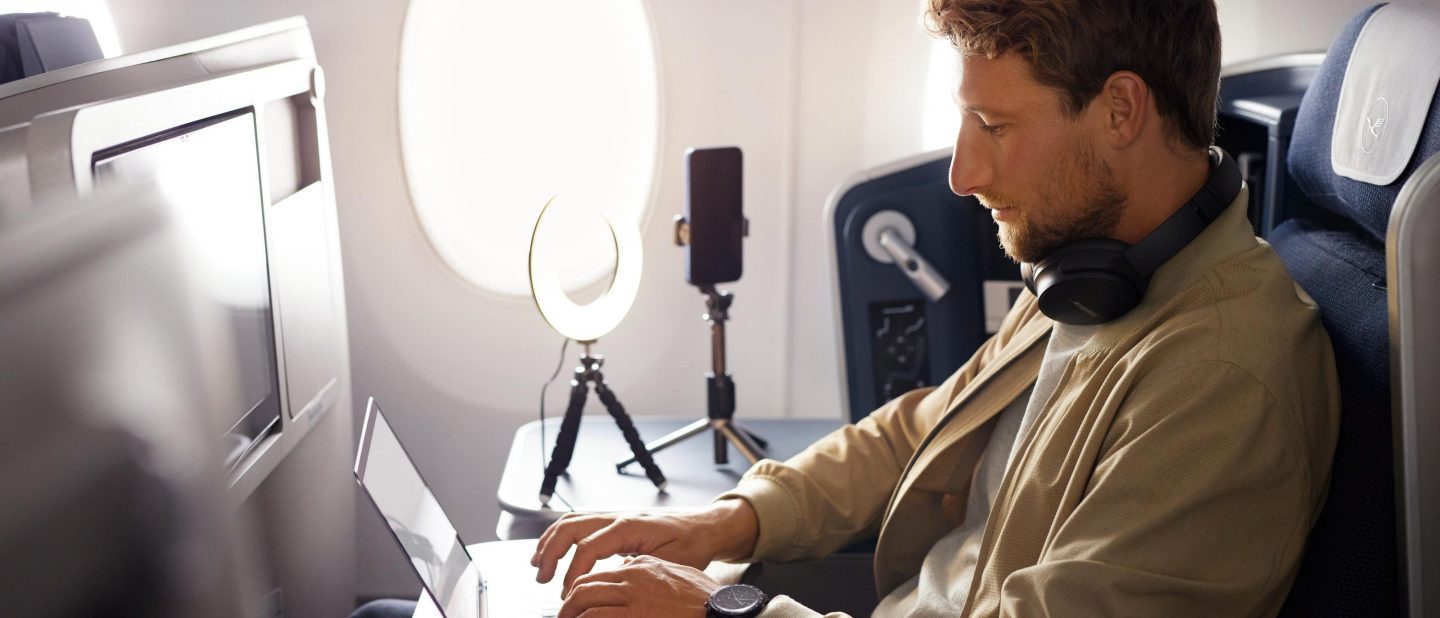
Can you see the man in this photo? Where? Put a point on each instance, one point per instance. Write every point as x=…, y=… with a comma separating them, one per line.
x=1168, y=462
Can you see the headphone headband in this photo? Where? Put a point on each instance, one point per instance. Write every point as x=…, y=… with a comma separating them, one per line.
x=1223, y=186
x=1095, y=281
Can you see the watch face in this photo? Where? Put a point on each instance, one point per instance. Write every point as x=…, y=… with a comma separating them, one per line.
x=737, y=600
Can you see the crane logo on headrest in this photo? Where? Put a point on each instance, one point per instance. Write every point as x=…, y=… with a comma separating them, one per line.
x=1374, y=125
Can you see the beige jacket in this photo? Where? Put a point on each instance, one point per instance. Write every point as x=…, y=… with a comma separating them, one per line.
x=1176, y=470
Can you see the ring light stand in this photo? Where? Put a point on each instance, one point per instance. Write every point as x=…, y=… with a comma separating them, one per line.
x=585, y=325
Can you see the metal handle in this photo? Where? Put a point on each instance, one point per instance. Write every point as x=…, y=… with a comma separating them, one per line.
x=889, y=238
x=915, y=266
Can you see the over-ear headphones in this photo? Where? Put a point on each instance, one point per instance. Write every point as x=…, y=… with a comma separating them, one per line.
x=1098, y=280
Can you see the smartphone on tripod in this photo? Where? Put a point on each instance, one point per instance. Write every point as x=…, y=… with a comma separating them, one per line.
x=712, y=230
x=714, y=212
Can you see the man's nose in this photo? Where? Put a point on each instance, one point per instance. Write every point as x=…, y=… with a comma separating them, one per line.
x=970, y=170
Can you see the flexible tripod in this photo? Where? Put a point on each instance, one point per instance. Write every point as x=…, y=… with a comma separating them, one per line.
x=586, y=373
x=721, y=399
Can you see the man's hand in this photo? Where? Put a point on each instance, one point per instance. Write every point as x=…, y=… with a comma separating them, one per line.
x=645, y=586
x=726, y=530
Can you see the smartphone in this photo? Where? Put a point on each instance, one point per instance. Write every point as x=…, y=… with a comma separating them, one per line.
x=713, y=210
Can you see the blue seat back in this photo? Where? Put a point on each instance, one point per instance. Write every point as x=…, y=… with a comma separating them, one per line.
x=894, y=339
x=1334, y=246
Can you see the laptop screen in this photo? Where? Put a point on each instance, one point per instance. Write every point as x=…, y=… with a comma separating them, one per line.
x=390, y=478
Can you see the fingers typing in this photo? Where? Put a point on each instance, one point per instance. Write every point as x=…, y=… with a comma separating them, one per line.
x=600, y=545
x=556, y=542
x=594, y=594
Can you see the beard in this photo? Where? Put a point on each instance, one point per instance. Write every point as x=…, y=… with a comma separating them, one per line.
x=1095, y=204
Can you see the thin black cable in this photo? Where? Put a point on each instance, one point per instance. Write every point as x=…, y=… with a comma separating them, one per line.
x=543, y=389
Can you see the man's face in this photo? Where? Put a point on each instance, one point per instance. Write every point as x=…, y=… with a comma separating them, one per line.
x=1024, y=158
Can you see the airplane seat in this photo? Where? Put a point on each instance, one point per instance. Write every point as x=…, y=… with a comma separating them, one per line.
x=109, y=507
x=1412, y=257
x=1334, y=247
x=1255, y=121
x=920, y=281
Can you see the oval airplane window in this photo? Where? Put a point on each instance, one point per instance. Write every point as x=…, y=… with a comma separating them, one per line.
x=505, y=104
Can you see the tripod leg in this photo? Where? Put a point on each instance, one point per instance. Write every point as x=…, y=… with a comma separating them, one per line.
x=670, y=439
x=565, y=442
x=741, y=441
x=632, y=437
x=754, y=437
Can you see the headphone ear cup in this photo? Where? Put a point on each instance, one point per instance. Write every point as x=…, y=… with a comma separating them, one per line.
x=1087, y=282
x=1098, y=280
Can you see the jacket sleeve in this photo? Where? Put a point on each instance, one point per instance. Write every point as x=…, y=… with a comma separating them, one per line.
x=1199, y=504
x=835, y=492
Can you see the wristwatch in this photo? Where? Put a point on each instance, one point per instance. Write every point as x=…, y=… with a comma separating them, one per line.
x=736, y=601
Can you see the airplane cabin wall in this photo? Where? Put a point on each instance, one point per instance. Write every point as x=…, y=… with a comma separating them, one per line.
x=860, y=86
x=1254, y=29
x=812, y=90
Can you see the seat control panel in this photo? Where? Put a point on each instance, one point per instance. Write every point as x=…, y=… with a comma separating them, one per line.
x=901, y=360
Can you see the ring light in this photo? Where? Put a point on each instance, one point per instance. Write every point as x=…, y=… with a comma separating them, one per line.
x=597, y=318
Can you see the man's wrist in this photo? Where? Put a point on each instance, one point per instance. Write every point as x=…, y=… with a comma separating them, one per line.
x=736, y=528
x=736, y=601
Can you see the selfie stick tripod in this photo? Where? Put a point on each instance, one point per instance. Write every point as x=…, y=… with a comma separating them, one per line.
x=721, y=400
x=585, y=374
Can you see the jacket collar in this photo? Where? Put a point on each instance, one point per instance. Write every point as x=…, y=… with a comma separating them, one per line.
x=1227, y=235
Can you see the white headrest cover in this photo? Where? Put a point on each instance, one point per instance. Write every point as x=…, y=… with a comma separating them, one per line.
x=1386, y=94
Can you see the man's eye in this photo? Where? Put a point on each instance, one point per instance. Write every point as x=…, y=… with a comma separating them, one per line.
x=993, y=129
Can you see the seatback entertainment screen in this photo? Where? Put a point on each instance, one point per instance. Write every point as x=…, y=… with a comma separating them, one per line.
x=210, y=169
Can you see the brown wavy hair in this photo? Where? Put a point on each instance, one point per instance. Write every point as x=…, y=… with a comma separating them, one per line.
x=1075, y=45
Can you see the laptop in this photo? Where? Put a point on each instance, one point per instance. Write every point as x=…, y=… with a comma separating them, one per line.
x=450, y=574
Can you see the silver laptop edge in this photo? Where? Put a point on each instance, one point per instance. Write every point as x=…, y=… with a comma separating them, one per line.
x=374, y=416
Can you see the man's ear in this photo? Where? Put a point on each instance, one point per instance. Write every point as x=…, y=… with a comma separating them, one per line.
x=1125, y=103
